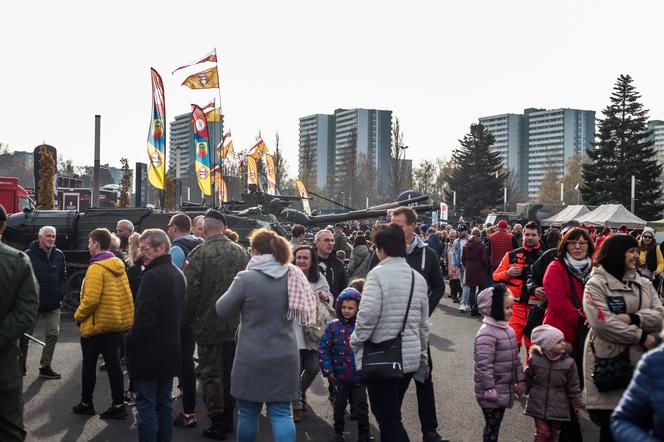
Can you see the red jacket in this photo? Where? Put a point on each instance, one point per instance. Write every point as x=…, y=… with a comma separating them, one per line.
x=561, y=312
x=499, y=244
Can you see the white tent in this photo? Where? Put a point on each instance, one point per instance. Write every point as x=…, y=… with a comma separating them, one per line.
x=613, y=216
x=569, y=213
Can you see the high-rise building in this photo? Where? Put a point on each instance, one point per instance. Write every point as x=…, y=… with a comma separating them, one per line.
x=540, y=140
x=317, y=148
x=657, y=135
x=507, y=130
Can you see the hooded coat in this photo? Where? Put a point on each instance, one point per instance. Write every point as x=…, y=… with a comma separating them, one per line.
x=553, y=384
x=266, y=367
x=106, y=302
x=334, y=353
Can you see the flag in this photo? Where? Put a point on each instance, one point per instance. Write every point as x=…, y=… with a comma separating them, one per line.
x=211, y=56
x=210, y=105
x=221, y=188
x=201, y=153
x=225, y=147
x=252, y=170
x=207, y=79
x=258, y=150
x=214, y=115
x=577, y=187
x=302, y=191
x=270, y=174
x=157, y=134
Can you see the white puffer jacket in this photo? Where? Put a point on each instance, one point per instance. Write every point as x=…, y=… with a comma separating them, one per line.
x=382, y=310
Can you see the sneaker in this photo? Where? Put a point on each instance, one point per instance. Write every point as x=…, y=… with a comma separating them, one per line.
x=130, y=398
x=187, y=420
x=83, y=408
x=115, y=412
x=463, y=308
x=297, y=416
x=433, y=436
x=474, y=312
x=48, y=373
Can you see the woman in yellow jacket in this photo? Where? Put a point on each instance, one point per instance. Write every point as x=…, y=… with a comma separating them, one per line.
x=105, y=312
x=651, y=261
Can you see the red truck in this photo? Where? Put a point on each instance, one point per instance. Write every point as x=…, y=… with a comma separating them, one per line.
x=14, y=197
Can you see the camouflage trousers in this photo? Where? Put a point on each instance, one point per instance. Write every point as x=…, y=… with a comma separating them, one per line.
x=215, y=363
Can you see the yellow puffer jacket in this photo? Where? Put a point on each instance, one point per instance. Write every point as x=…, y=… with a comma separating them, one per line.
x=106, y=301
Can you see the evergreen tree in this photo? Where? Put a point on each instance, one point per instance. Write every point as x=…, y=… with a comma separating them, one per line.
x=623, y=149
x=45, y=197
x=478, y=176
x=125, y=184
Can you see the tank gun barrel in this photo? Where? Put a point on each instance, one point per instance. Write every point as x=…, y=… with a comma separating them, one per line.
x=413, y=200
x=295, y=216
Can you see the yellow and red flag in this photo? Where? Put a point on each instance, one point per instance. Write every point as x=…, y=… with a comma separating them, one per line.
x=202, y=150
x=207, y=79
x=270, y=174
x=157, y=133
x=252, y=170
x=225, y=148
x=214, y=115
x=211, y=56
x=302, y=191
x=222, y=189
x=258, y=150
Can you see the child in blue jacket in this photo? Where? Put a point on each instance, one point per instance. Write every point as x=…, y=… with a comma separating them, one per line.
x=338, y=364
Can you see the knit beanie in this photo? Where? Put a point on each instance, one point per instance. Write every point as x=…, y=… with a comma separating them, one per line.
x=546, y=337
x=648, y=230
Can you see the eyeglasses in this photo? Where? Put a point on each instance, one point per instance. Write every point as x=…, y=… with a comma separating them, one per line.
x=579, y=243
x=646, y=237
x=144, y=248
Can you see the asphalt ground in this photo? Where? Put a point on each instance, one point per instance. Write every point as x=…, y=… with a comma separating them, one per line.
x=48, y=415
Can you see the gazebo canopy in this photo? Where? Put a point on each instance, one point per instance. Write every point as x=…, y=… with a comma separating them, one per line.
x=613, y=216
x=569, y=213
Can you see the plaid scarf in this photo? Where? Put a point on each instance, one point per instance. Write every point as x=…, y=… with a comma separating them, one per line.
x=301, y=298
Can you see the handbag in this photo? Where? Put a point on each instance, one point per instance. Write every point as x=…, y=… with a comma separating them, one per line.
x=384, y=361
x=582, y=328
x=535, y=318
x=613, y=373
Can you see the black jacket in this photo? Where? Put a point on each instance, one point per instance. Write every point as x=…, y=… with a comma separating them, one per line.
x=153, y=344
x=426, y=261
x=538, y=269
x=51, y=275
x=334, y=272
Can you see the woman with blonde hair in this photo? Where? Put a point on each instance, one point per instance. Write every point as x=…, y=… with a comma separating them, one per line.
x=133, y=244
x=269, y=295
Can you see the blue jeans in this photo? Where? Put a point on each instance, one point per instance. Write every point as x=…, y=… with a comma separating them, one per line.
x=472, y=298
x=154, y=405
x=283, y=428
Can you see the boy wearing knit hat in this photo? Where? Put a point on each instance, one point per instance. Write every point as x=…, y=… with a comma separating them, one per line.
x=553, y=382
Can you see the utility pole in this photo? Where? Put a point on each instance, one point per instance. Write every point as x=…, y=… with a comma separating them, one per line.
x=95, y=178
x=633, y=194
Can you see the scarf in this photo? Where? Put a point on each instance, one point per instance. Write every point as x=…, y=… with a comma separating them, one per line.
x=580, y=269
x=301, y=298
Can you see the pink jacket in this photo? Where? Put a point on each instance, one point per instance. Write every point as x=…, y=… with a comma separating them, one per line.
x=497, y=364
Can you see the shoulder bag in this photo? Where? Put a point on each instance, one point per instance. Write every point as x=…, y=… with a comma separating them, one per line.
x=614, y=373
x=384, y=361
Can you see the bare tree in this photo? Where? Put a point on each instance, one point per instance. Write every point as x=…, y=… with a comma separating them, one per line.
x=46, y=177
x=307, y=170
x=169, y=193
x=424, y=177
x=125, y=184
x=398, y=154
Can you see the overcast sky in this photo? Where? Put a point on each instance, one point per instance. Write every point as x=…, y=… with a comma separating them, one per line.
x=437, y=65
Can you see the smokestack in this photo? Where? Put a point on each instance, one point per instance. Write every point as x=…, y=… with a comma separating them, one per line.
x=95, y=182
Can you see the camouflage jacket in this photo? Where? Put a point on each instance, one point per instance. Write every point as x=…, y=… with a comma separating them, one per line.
x=210, y=269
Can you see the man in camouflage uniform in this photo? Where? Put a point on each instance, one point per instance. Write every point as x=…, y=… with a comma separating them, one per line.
x=19, y=307
x=210, y=269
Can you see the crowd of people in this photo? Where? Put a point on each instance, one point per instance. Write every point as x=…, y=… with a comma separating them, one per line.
x=352, y=303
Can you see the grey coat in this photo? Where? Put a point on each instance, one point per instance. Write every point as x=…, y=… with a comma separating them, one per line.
x=358, y=266
x=382, y=310
x=267, y=361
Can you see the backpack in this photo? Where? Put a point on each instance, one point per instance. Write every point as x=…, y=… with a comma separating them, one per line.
x=187, y=245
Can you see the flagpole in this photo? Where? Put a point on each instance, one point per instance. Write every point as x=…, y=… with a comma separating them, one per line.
x=211, y=154
x=220, y=160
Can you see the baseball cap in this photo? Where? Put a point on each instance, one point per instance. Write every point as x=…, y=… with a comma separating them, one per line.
x=502, y=224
